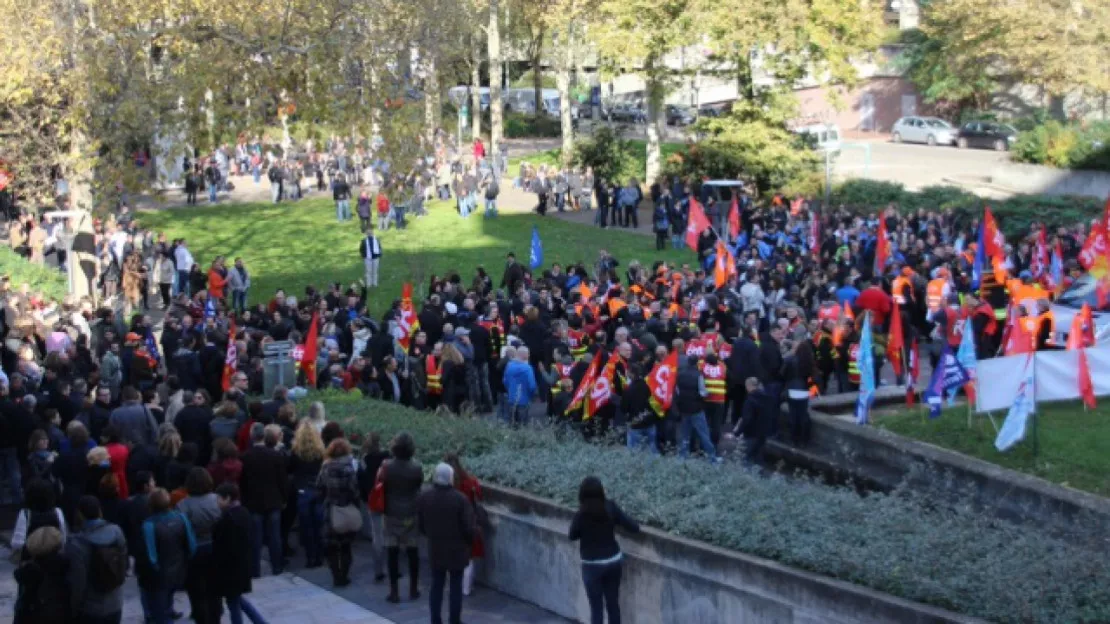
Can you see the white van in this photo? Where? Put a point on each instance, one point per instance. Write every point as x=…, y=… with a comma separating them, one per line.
x=524, y=101
x=456, y=95
x=825, y=137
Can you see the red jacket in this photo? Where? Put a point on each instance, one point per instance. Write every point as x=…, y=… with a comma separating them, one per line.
x=877, y=302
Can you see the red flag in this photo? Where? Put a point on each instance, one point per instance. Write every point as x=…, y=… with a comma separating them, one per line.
x=915, y=370
x=725, y=266
x=231, y=360
x=1082, y=332
x=995, y=244
x=815, y=236
x=1094, y=247
x=602, y=391
x=734, y=218
x=882, y=248
x=1038, y=264
x=308, y=356
x=1016, y=339
x=896, y=342
x=1086, y=388
x=695, y=224
x=584, y=386
x=661, y=381
x=407, y=320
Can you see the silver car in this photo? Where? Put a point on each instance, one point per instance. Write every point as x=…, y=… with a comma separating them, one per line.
x=928, y=130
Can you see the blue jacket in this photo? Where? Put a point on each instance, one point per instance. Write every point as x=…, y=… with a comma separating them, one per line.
x=520, y=383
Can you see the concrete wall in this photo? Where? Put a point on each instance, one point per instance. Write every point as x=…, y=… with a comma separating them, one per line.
x=1038, y=179
x=885, y=95
x=883, y=460
x=671, y=580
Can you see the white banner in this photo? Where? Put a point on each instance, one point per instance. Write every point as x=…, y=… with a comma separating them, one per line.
x=1056, y=375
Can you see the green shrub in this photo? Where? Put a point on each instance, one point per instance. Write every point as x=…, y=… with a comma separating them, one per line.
x=518, y=125
x=610, y=155
x=46, y=280
x=1069, y=146
x=954, y=558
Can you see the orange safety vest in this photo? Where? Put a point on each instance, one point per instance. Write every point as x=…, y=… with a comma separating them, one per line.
x=853, y=363
x=576, y=340
x=899, y=287
x=616, y=305
x=714, y=381
x=725, y=351
x=1049, y=318
x=934, y=294
x=434, y=372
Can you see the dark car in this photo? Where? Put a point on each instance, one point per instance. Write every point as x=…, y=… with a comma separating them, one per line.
x=628, y=113
x=986, y=134
x=679, y=115
x=715, y=110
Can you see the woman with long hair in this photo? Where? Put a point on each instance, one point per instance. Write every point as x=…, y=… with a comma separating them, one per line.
x=594, y=528
x=799, y=367
x=304, y=466
x=453, y=377
x=472, y=490
x=372, y=458
x=339, y=485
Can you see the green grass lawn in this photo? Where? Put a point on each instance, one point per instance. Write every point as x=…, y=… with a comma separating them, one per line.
x=292, y=245
x=47, y=280
x=1073, y=445
x=637, y=148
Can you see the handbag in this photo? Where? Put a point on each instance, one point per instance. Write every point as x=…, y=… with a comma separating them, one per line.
x=377, y=494
x=345, y=519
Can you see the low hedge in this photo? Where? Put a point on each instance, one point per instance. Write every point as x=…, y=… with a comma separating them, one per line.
x=949, y=557
x=1015, y=214
x=519, y=125
x=44, y=279
x=1068, y=146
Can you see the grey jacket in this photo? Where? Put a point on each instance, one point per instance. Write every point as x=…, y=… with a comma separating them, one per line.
x=84, y=598
x=203, y=512
x=237, y=281
x=135, y=423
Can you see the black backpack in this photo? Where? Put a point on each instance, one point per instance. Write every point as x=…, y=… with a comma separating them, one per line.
x=107, y=567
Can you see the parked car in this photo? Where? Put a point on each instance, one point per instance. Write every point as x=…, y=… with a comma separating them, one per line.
x=628, y=113
x=928, y=130
x=821, y=137
x=1083, y=291
x=715, y=110
x=679, y=115
x=987, y=134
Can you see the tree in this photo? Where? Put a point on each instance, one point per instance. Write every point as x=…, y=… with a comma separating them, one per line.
x=493, y=55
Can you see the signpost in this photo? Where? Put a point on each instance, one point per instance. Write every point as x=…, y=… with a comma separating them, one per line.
x=279, y=364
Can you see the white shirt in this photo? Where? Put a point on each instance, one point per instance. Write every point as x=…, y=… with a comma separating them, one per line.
x=118, y=241
x=183, y=259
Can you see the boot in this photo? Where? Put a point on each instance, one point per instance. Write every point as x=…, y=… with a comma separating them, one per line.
x=414, y=572
x=393, y=556
x=345, y=563
x=335, y=566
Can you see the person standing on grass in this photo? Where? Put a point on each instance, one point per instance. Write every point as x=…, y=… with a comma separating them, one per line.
x=382, y=204
x=363, y=210
x=239, y=282
x=274, y=176
x=446, y=518
x=231, y=564
x=594, y=528
x=371, y=251
x=341, y=193
x=492, y=190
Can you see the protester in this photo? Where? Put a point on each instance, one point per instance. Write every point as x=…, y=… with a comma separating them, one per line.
x=446, y=519
x=264, y=485
x=231, y=555
x=44, y=592
x=202, y=511
x=594, y=528
x=305, y=461
x=402, y=478
x=469, y=487
x=338, y=486
x=168, y=545
x=98, y=561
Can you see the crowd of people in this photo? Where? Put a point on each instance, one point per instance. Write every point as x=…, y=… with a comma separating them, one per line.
x=164, y=438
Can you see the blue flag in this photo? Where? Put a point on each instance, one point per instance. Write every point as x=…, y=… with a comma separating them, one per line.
x=980, y=261
x=966, y=357
x=152, y=346
x=949, y=374
x=765, y=250
x=209, y=308
x=866, y=363
x=536, y=257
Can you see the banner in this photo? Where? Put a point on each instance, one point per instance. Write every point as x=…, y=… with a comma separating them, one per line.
x=998, y=379
x=1025, y=403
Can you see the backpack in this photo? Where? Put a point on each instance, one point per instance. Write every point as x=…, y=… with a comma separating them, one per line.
x=107, y=567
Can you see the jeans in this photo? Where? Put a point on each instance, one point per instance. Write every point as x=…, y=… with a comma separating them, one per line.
x=183, y=282
x=774, y=390
x=560, y=201
x=491, y=208
x=310, y=516
x=343, y=209
x=799, y=421
x=603, y=585
x=485, y=395
x=239, y=300
x=377, y=546
x=464, y=205
x=643, y=439
x=257, y=173
x=677, y=241
x=11, y=490
x=696, y=423
x=516, y=414
x=383, y=221
x=454, y=599
x=157, y=605
x=714, y=417
x=266, y=525
x=275, y=191
x=212, y=193
x=237, y=606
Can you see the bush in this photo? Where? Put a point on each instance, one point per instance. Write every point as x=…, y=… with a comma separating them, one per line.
x=610, y=155
x=954, y=558
x=518, y=125
x=1015, y=214
x=1069, y=146
x=46, y=280
x=768, y=156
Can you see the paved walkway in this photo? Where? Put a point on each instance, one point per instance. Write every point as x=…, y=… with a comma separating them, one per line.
x=305, y=597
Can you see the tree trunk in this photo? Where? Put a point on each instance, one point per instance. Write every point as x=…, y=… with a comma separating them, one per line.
x=376, y=102
x=537, y=73
x=493, y=53
x=475, y=89
x=431, y=100
x=564, y=61
x=654, y=104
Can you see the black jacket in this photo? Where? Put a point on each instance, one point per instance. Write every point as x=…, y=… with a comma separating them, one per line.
x=192, y=423
x=770, y=360
x=231, y=552
x=597, y=536
x=446, y=518
x=514, y=274
x=264, y=482
x=744, y=361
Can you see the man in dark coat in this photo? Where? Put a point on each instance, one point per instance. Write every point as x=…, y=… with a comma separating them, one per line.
x=446, y=518
x=265, y=485
x=194, y=421
x=742, y=363
x=231, y=557
x=514, y=274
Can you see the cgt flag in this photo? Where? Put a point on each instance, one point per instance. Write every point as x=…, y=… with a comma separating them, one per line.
x=602, y=390
x=535, y=257
x=947, y=375
x=308, y=355
x=231, y=359
x=583, y=387
x=696, y=224
x=407, y=320
x=661, y=382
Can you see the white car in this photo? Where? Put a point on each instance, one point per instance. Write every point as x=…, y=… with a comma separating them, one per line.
x=928, y=130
